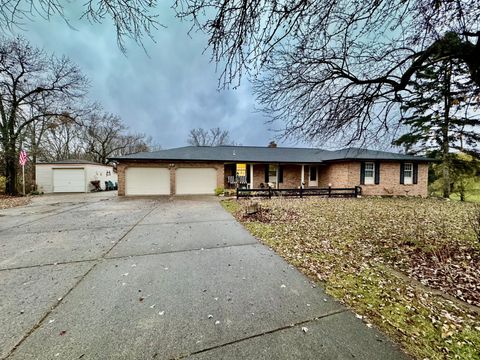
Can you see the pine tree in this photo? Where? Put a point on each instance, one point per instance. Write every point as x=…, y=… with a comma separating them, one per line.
x=442, y=115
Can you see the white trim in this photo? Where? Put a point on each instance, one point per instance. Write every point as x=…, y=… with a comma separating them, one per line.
x=408, y=180
x=276, y=166
x=369, y=180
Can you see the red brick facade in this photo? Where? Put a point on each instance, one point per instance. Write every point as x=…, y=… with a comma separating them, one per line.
x=339, y=174
x=347, y=174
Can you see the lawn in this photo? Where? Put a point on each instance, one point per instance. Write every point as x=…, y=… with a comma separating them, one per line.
x=407, y=266
x=472, y=194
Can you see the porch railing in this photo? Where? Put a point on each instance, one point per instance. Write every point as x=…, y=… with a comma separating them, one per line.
x=300, y=192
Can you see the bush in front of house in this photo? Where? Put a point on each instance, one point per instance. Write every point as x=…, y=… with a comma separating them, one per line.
x=3, y=182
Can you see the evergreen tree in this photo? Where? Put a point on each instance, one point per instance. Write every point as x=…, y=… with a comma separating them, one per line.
x=442, y=115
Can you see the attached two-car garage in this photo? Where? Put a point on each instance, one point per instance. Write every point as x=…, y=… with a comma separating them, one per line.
x=156, y=180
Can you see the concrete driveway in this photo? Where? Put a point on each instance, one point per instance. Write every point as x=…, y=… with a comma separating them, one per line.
x=95, y=276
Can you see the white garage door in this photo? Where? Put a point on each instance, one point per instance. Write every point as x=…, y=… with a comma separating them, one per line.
x=192, y=181
x=147, y=181
x=68, y=180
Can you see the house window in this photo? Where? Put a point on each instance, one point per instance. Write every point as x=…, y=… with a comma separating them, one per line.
x=408, y=173
x=272, y=174
x=369, y=173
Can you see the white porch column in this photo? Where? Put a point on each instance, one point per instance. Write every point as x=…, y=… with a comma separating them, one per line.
x=251, y=176
x=278, y=176
x=303, y=176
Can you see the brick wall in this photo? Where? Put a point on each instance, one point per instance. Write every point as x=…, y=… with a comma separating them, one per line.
x=258, y=175
x=172, y=166
x=347, y=174
x=291, y=176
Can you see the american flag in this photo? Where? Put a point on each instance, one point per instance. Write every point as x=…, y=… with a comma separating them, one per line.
x=23, y=158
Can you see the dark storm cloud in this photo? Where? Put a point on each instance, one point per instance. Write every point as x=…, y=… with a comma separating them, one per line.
x=163, y=94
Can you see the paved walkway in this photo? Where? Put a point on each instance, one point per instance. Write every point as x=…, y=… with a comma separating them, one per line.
x=99, y=277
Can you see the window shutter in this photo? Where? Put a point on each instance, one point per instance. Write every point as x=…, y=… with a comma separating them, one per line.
x=362, y=173
x=415, y=173
x=402, y=173
x=248, y=173
x=377, y=172
x=266, y=173
x=280, y=174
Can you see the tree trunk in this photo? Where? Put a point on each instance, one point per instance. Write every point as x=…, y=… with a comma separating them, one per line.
x=445, y=131
x=10, y=170
x=462, y=190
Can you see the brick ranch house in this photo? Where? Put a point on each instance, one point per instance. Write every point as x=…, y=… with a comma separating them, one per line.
x=201, y=169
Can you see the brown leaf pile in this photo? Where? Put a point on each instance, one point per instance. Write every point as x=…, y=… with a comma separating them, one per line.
x=429, y=240
x=13, y=201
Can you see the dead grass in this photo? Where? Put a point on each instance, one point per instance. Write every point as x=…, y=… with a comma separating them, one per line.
x=379, y=256
x=13, y=201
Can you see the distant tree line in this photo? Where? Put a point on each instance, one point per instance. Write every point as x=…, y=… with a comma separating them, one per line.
x=211, y=137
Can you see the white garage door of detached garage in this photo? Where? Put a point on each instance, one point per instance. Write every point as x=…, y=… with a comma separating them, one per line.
x=147, y=181
x=69, y=180
x=191, y=181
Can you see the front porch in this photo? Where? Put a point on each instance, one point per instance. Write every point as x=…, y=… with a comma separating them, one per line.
x=276, y=176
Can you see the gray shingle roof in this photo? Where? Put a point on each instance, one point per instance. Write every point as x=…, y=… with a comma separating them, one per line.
x=265, y=154
x=71, y=161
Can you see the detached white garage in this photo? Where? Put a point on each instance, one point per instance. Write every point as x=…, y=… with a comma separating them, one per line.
x=147, y=181
x=195, y=181
x=72, y=176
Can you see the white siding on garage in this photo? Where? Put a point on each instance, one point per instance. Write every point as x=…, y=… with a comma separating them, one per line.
x=43, y=177
x=147, y=181
x=101, y=173
x=191, y=181
x=69, y=180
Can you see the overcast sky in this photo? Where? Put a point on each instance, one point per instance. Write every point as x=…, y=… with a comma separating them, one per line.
x=163, y=94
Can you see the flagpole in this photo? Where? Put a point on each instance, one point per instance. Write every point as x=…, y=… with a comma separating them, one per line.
x=23, y=176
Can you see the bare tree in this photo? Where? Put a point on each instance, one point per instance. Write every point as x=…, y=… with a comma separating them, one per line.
x=33, y=87
x=132, y=19
x=63, y=139
x=106, y=136
x=329, y=66
x=211, y=137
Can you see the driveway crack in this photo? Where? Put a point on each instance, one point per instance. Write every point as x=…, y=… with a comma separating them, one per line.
x=60, y=300
x=296, y=324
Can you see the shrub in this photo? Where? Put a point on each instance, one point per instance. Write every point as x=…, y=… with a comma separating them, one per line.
x=219, y=191
x=3, y=183
x=229, y=192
